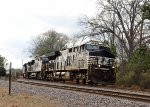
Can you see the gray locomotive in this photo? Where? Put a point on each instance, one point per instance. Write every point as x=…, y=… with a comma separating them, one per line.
x=90, y=63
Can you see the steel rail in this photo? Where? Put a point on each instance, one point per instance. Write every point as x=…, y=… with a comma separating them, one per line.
x=125, y=95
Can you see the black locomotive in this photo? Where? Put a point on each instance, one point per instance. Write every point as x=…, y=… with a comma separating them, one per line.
x=90, y=63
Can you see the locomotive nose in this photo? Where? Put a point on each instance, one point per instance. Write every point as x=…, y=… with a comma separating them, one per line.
x=103, y=53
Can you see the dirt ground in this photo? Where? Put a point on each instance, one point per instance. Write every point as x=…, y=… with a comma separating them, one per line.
x=24, y=100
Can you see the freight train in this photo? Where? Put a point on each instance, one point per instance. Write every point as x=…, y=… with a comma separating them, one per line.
x=90, y=63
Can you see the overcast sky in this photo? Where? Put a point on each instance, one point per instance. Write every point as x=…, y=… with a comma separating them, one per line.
x=21, y=20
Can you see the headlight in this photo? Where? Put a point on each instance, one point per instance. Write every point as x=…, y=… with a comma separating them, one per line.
x=113, y=67
x=99, y=65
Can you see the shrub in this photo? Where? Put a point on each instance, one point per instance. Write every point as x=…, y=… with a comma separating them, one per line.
x=130, y=78
x=137, y=69
x=145, y=80
x=125, y=79
x=2, y=71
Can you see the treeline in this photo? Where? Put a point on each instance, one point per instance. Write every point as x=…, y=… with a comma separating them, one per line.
x=2, y=71
x=2, y=63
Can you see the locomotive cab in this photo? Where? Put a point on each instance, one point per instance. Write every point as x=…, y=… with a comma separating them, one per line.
x=100, y=65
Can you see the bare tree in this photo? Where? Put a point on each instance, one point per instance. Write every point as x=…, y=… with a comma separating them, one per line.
x=47, y=42
x=122, y=21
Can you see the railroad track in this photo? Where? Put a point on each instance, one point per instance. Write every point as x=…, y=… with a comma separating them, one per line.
x=125, y=95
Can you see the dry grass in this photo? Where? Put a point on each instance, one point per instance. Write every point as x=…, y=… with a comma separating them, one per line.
x=24, y=100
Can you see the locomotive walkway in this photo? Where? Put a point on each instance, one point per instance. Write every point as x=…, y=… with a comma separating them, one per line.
x=125, y=95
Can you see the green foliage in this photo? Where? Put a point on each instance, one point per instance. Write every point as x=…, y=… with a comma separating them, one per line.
x=2, y=71
x=130, y=78
x=140, y=60
x=145, y=80
x=2, y=61
x=126, y=79
x=146, y=11
x=138, y=69
x=113, y=49
x=48, y=42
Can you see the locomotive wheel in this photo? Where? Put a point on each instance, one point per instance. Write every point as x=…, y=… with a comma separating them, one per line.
x=62, y=81
x=46, y=76
x=95, y=83
x=77, y=81
x=39, y=76
x=42, y=75
x=84, y=81
x=103, y=84
x=52, y=78
x=90, y=83
x=24, y=75
x=28, y=75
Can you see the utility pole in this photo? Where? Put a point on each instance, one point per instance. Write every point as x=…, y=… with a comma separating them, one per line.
x=10, y=78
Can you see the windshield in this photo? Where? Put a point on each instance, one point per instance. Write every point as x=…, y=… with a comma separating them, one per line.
x=96, y=47
x=91, y=47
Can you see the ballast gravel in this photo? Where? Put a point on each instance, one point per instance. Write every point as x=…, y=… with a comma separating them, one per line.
x=68, y=98
x=89, y=87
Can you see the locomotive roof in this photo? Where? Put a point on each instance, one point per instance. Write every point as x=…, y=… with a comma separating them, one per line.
x=103, y=53
x=92, y=42
x=55, y=53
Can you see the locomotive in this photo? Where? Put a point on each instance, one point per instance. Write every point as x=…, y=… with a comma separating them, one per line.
x=90, y=63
